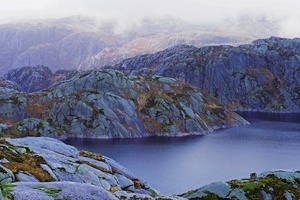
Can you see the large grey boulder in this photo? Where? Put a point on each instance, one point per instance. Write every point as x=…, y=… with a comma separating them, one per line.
x=59, y=190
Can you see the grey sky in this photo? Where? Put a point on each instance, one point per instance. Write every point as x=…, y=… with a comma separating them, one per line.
x=126, y=11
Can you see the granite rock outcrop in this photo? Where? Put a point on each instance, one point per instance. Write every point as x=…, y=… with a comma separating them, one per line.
x=46, y=168
x=263, y=75
x=110, y=104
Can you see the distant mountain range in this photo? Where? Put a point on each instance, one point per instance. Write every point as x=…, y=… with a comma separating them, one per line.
x=83, y=43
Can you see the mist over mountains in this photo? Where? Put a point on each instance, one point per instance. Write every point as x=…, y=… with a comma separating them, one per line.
x=83, y=43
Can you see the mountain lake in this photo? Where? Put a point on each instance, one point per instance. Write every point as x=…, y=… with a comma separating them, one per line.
x=177, y=165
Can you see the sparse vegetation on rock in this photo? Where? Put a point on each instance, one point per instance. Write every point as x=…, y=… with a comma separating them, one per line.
x=109, y=104
x=262, y=76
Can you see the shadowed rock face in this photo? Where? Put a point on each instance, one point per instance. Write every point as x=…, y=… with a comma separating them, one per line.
x=32, y=79
x=109, y=104
x=263, y=75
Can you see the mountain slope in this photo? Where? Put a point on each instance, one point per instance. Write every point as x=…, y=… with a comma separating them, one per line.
x=60, y=44
x=263, y=75
x=109, y=104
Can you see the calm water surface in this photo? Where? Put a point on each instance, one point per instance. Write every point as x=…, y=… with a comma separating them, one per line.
x=176, y=165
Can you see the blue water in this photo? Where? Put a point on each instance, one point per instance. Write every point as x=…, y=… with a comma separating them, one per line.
x=176, y=165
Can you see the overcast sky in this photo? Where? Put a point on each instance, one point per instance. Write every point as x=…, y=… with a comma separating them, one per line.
x=131, y=10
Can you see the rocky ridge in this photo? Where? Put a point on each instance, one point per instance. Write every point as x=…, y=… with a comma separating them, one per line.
x=109, y=104
x=36, y=78
x=263, y=75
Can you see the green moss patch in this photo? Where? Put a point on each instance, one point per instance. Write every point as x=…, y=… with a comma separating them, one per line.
x=53, y=192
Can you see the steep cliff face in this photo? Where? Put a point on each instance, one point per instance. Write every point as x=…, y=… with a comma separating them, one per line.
x=263, y=75
x=109, y=104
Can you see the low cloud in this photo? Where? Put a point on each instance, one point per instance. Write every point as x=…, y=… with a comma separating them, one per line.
x=127, y=13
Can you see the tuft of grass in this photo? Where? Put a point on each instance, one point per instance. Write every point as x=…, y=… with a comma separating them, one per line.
x=29, y=162
x=6, y=190
x=49, y=191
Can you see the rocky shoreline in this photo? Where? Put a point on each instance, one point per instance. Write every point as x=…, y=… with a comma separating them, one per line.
x=35, y=168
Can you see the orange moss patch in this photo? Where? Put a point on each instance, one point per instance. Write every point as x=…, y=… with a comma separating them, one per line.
x=28, y=162
x=94, y=166
x=115, y=171
x=137, y=184
x=35, y=109
x=113, y=189
x=262, y=74
x=151, y=125
x=91, y=155
x=8, y=121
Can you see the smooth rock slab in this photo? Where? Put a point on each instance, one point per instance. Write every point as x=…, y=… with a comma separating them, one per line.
x=26, y=177
x=40, y=143
x=219, y=188
x=64, y=190
x=238, y=194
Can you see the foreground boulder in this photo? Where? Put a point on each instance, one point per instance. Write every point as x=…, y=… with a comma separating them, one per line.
x=109, y=104
x=45, y=168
